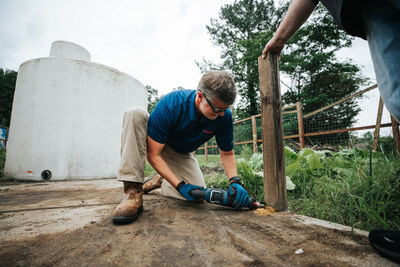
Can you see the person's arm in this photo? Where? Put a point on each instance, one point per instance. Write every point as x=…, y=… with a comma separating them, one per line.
x=229, y=162
x=154, y=150
x=297, y=14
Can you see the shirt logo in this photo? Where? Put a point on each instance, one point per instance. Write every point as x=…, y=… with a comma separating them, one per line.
x=208, y=132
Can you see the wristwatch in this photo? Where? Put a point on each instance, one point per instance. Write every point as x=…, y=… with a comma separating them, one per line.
x=235, y=180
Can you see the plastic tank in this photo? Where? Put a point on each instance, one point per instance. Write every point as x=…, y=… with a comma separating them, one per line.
x=67, y=114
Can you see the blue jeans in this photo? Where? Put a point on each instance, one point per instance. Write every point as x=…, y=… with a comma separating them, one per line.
x=382, y=25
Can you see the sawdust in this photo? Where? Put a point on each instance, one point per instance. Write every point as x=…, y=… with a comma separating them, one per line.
x=265, y=211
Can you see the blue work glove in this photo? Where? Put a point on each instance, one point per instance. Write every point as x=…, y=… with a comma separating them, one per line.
x=184, y=189
x=242, y=198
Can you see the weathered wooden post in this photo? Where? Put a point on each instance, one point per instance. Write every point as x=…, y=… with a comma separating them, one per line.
x=377, y=125
x=300, y=124
x=272, y=133
x=254, y=127
x=396, y=133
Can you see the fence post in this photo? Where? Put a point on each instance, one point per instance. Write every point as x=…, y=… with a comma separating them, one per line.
x=272, y=133
x=300, y=124
x=254, y=126
x=206, y=150
x=377, y=125
x=396, y=133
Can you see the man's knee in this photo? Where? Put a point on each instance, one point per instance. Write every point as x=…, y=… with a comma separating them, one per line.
x=137, y=115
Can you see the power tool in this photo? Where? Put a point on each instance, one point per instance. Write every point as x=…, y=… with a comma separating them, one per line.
x=222, y=197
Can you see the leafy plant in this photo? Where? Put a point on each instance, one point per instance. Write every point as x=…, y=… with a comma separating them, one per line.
x=337, y=186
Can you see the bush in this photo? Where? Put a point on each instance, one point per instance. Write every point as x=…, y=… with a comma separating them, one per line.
x=2, y=162
x=337, y=187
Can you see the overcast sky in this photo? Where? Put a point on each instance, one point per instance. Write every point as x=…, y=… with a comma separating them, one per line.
x=156, y=42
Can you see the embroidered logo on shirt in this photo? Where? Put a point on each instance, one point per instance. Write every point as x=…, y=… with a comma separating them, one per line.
x=208, y=132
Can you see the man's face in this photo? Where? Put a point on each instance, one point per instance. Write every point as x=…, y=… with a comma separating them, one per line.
x=212, y=108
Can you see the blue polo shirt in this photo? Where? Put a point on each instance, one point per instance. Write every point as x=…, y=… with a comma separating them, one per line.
x=174, y=122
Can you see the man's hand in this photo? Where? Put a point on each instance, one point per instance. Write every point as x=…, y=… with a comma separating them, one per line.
x=242, y=197
x=297, y=14
x=274, y=45
x=184, y=189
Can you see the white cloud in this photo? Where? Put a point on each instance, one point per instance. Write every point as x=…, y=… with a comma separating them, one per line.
x=155, y=41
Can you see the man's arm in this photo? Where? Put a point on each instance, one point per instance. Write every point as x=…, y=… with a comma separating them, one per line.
x=297, y=14
x=229, y=162
x=154, y=150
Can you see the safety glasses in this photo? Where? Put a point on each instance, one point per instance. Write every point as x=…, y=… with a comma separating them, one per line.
x=214, y=109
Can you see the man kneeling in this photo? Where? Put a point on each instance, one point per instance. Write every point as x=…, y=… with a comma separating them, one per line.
x=181, y=122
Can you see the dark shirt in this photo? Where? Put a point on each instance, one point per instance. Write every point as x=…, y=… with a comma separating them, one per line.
x=347, y=14
x=174, y=121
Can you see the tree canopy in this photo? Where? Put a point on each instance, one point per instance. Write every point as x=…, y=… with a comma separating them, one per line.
x=316, y=76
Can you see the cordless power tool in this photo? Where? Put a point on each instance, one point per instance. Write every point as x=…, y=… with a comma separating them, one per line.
x=222, y=197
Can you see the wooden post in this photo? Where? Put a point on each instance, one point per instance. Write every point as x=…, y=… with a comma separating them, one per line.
x=253, y=123
x=300, y=124
x=206, y=151
x=272, y=133
x=396, y=133
x=377, y=125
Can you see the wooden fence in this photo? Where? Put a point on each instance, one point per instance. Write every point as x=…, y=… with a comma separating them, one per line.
x=297, y=108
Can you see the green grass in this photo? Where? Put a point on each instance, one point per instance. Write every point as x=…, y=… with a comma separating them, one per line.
x=2, y=162
x=338, y=187
x=211, y=160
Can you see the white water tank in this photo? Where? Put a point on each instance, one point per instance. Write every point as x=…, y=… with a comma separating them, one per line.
x=67, y=116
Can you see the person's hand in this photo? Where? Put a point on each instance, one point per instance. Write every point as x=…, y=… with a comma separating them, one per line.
x=242, y=197
x=184, y=189
x=274, y=45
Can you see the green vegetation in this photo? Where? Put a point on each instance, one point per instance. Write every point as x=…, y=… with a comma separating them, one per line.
x=3, y=177
x=316, y=76
x=8, y=79
x=337, y=187
x=332, y=186
x=2, y=162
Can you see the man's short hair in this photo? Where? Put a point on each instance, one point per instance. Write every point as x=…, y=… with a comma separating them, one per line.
x=218, y=84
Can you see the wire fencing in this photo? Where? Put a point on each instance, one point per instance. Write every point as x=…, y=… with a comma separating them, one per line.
x=331, y=127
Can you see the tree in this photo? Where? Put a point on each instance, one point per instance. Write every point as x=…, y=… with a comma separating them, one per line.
x=317, y=76
x=152, y=98
x=8, y=80
x=241, y=31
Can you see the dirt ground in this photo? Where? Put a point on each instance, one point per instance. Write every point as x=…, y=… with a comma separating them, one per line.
x=69, y=224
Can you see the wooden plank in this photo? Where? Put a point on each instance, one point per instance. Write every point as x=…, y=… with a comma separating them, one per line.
x=272, y=134
x=300, y=124
x=254, y=129
x=289, y=112
x=378, y=125
x=396, y=133
x=348, y=130
x=290, y=106
x=242, y=120
x=340, y=101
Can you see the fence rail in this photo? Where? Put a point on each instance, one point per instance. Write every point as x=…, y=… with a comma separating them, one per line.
x=301, y=135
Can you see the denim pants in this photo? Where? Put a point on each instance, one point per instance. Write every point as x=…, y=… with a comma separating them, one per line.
x=382, y=26
x=134, y=155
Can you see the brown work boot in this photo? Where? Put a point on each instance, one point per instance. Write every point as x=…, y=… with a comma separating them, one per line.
x=131, y=207
x=152, y=183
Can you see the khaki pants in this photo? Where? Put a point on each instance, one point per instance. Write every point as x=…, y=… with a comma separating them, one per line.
x=134, y=150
